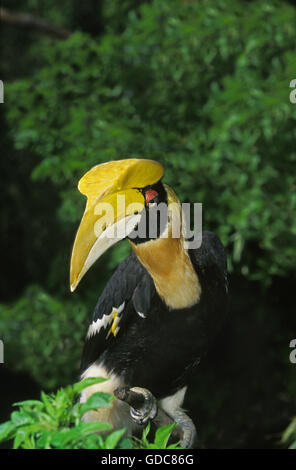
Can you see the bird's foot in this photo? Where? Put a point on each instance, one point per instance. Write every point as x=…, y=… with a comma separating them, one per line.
x=147, y=410
x=143, y=405
x=143, y=408
x=187, y=429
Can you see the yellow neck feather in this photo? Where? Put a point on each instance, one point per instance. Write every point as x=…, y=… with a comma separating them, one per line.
x=168, y=262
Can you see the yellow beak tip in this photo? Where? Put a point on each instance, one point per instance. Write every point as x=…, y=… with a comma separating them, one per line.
x=73, y=286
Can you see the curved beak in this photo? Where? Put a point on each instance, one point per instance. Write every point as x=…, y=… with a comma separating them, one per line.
x=113, y=209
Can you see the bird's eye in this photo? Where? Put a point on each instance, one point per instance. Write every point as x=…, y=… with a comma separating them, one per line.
x=150, y=195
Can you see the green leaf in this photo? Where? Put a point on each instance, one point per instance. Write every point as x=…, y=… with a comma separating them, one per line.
x=289, y=434
x=113, y=438
x=95, y=401
x=145, y=434
x=30, y=403
x=6, y=430
x=125, y=444
x=174, y=446
x=162, y=435
x=61, y=439
x=48, y=404
x=94, y=441
x=43, y=442
x=19, y=438
x=19, y=418
x=79, y=386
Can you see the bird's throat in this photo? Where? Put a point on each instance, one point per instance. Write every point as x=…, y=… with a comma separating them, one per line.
x=169, y=265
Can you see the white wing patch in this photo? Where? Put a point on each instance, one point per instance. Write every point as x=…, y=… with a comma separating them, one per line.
x=120, y=308
x=141, y=314
x=113, y=318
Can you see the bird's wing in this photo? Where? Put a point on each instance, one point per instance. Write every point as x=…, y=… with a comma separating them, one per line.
x=210, y=259
x=130, y=283
x=211, y=266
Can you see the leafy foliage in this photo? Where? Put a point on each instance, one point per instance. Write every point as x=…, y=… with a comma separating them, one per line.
x=193, y=86
x=161, y=438
x=54, y=422
x=42, y=343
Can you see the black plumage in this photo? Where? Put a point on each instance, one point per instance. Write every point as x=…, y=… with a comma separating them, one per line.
x=157, y=347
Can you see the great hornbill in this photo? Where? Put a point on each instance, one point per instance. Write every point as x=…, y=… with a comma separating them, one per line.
x=163, y=305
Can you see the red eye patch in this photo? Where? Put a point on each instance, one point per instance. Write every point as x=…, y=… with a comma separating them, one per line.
x=149, y=195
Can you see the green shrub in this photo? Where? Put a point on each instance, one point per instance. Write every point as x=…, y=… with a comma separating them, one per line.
x=202, y=87
x=43, y=335
x=161, y=438
x=54, y=422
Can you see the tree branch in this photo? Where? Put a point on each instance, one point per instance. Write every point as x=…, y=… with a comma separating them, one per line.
x=25, y=20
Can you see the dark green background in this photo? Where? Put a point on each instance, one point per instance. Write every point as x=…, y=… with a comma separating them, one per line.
x=202, y=87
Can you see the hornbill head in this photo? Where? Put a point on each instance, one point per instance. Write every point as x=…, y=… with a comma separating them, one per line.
x=120, y=194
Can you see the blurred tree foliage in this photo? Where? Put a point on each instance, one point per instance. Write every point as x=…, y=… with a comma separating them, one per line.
x=202, y=87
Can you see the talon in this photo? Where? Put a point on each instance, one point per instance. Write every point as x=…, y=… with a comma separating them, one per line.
x=188, y=429
x=143, y=405
x=148, y=410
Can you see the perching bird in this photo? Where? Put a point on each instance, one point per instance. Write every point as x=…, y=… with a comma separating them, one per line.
x=164, y=304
